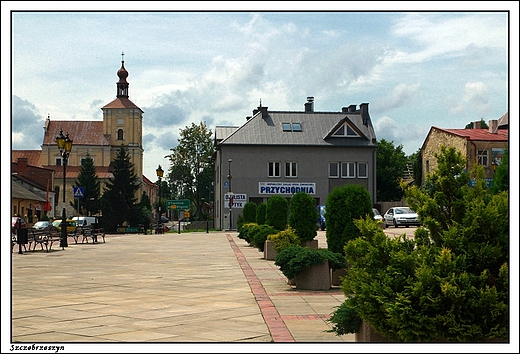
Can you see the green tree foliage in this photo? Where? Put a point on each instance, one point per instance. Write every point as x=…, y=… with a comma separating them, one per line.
x=416, y=161
x=192, y=164
x=87, y=178
x=391, y=164
x=119, y=200
x=483, y=124
x=450, y=282
x=303, y=216
x=145, y=211
x=501, y=177
x=260, y=213
x=343, y=205
x=276, y=212
x=259, y=233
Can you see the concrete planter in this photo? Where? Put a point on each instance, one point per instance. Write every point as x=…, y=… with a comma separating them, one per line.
x=367, y=334
x=312, y=244
x=269, y=252
x=336, y=276
x=315, y=277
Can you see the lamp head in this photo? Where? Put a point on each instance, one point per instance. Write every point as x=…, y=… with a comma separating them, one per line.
x=159, y=171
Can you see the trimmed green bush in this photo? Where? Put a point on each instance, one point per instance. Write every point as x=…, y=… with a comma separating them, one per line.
x=303, y=216
x=245, y=232
x=277, y=212
x=249, y=212
x=284, y=239
x=260, y=213
x=259, y=234
x=344, y=205
x=345, y=320
x=293, y=259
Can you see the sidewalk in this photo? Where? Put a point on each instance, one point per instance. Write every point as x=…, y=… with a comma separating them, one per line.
x=169, y=288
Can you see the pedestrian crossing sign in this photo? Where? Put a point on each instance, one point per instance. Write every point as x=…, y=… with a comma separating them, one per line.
x=79, y=192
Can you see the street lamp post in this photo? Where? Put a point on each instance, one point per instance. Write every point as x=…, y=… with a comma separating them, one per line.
x=160, y=174
x=230, y=195
x=65, y=147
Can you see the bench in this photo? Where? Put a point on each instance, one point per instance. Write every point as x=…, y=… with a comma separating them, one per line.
x=39, y=237
x=53, y=236
x=88, y=231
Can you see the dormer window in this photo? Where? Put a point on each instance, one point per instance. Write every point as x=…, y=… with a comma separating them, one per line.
x=345, y=130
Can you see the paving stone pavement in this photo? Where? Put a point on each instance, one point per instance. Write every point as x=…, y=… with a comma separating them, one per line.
x=162, y=290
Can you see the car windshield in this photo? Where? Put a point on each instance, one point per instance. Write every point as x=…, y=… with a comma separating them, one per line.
x=376, y=212
x=404, y=211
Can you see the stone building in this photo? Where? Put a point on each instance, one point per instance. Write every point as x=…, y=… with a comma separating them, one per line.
x=478, y=146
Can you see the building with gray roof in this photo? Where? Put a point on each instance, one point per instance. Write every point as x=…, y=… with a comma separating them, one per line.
x=283, y=152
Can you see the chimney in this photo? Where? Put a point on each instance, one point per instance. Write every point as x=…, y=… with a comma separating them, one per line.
x=309, y=105
x=264, y=112
x=21, y=164
x=352, y=108
x=493, y=126
x=363, y=109
x=476, y=125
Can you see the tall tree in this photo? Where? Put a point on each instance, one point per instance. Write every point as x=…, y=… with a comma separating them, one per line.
x=192, y=164
x=87, y=178
x=119, y=197
x=501, y=177
x=391, y=163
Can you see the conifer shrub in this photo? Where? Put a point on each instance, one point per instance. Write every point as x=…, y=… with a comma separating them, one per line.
x=284, y=239
x=277, y=212
x=245, y=232
x=259, y=234
x=293, y=259
x=303, y=216
x=344, y=205
x=260, y=213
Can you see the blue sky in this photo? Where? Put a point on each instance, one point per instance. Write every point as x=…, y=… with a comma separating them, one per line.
x=415, y=69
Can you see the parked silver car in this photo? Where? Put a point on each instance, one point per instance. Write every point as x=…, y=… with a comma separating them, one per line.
x=377, y=216
x=401, y=216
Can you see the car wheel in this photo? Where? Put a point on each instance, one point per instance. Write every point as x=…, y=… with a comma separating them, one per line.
x=395, y=224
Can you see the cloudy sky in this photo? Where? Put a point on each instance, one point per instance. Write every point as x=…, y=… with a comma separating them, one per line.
x=415, y=69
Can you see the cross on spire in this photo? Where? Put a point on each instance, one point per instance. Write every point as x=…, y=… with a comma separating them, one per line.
x=122, y=56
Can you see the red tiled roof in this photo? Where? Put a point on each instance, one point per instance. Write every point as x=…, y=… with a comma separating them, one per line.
x=34, y=157
x=121, y=102
x=479, y=134
x=81, y=132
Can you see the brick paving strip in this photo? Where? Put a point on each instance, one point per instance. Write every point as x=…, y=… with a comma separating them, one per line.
x=273, y=320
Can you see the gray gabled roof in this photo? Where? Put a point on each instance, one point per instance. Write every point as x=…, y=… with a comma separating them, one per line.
x=317, y=128
x=19, y=191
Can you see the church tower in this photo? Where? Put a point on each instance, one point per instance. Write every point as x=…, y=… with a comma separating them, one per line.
x=123, y=123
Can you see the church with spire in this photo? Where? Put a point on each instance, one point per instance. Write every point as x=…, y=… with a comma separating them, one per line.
x=122, y=124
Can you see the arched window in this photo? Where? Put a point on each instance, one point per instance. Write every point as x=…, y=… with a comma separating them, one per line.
x=120, y=134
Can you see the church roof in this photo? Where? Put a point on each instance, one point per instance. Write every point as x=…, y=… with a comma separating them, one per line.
x=81, y=132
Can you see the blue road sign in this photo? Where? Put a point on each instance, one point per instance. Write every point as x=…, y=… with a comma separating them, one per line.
x=79, y=192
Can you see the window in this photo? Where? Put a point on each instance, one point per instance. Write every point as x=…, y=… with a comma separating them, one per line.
x=362, y=169
x=345, y=130
x=333, y=169
x=482, y=157
x=120, y=121
x=58, y=161
x=274, y=169
x=292, y=127
x=348, y=170
x=427, y=166
x=120, y=134
x=291, y=169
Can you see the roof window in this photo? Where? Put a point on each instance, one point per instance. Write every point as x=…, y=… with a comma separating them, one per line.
x=292, y=127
